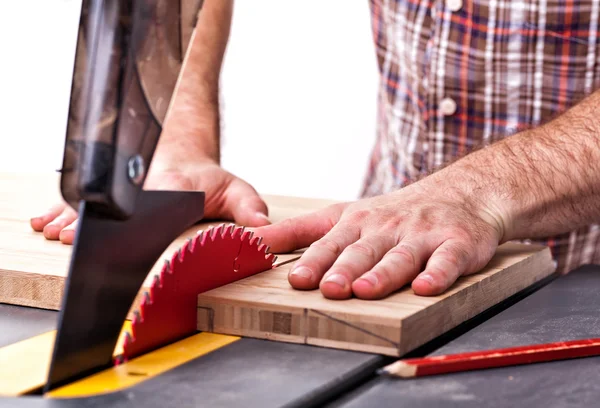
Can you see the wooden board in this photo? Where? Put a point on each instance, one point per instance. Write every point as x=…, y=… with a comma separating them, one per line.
x=265, y=306
x=33, y=269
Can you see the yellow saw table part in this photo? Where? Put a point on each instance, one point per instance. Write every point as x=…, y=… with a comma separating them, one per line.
x=24, y=365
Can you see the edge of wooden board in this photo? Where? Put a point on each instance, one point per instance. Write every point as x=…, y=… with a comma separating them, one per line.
x=301, y=326
x=382, y=335
x=51, y=286
x=29, y=295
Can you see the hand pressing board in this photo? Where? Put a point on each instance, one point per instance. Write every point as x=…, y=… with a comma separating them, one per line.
x=265, y=306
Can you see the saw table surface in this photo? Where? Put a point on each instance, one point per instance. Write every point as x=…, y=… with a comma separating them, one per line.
x=254, y=372
x=262, y=373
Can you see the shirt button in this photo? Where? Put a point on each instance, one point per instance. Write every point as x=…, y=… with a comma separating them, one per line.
x=454, y=5
x=447, y=106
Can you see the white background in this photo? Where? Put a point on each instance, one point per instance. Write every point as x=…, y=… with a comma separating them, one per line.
x=299, y=92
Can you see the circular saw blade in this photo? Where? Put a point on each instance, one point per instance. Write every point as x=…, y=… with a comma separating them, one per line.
x=213, y=258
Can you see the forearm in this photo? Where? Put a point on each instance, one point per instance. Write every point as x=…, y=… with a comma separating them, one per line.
x=192, y=126
x=540, y=182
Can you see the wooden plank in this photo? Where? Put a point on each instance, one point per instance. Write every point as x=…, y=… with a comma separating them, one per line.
x=33, y=269
x=265, y=306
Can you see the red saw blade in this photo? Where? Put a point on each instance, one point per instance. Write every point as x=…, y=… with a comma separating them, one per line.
x=215, y=257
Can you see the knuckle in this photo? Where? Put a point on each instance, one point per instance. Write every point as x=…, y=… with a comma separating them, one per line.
x=462, y=234
x=457, y=255
x=391, y=225
x=451, y=257
x=403, y=254
x=363, y=249
x=462, y=254
x=358, y=216
x=386, y=271
x=328, y=245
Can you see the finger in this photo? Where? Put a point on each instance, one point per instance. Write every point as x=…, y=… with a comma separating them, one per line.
x=300, y=232
x=398, y=267
x=448, y=262
x=320, y=256
x=38, y=223
x=354, y=261
x=52, y=229
x=67, y=235
x=244, y=205
x=247, y=207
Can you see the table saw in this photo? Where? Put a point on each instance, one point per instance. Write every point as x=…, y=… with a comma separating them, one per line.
x=210, y=369
x=142, y=310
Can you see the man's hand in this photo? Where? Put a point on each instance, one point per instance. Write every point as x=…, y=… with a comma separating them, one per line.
x=227, y=197
x=426, y=234
x=534, y=184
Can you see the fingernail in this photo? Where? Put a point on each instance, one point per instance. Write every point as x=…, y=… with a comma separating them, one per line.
x=302, y=272
x=262, y=216
x=371, y=278
x=426, y=277
x=337, y=279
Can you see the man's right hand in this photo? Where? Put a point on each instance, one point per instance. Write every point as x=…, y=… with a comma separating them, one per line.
x=227, y=197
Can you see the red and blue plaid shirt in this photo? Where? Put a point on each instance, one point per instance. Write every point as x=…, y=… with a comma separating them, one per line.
x=457, y=74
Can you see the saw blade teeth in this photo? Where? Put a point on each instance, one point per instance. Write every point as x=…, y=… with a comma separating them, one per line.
x=271, y=258
x=247, y=235
x=217, y=232
x=166, y=267
x=222, y=231
x=206, y=236
x=137, y=318
x=184, y=247
x=146, y=300
x=228, y=231
x=155, y=285
x=199, y=239
x=263, y=248
x=119, y=360
x=128, y=339
x=211, y=233
x=255, y=241
x=237, y=232
x=174, y=260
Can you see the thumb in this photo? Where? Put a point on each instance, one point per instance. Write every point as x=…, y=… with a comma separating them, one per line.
x=246, y=206
x=299, y=232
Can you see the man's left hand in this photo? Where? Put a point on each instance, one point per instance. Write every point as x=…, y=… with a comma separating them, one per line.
x=425, y=233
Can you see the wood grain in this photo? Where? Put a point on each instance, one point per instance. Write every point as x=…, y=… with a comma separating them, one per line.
x=33, y=269
x=265, y=306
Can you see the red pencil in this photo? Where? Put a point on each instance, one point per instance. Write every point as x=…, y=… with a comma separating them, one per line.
x=478, y=360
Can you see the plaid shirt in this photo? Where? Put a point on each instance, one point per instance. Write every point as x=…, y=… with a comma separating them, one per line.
x=457, y=74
